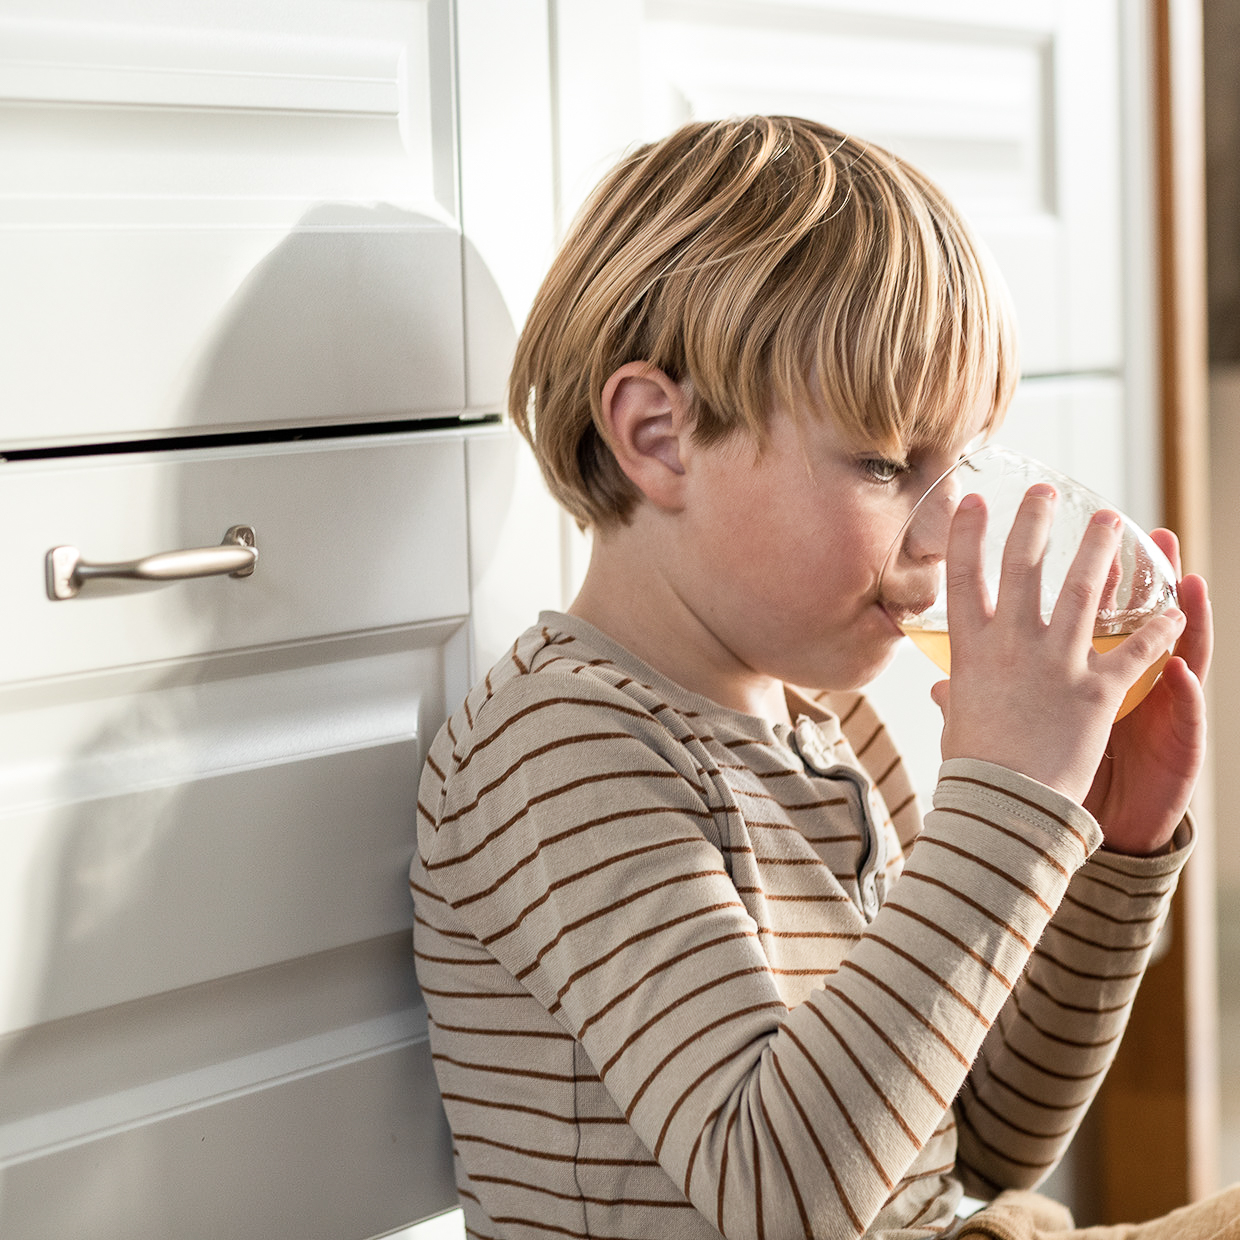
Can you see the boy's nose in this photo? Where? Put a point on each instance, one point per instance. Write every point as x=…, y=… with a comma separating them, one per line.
x=926, y=539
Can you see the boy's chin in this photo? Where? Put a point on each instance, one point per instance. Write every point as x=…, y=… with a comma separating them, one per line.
x=850, y=670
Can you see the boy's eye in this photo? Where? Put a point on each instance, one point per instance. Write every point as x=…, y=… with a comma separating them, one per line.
x=880, y=469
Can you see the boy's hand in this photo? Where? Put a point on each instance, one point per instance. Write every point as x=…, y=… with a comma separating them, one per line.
x=1035, y=696
x=1155, y=754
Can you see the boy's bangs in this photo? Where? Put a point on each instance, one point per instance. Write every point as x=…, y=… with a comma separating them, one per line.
x=880, y=310
x=958, y=390
x=914, y=345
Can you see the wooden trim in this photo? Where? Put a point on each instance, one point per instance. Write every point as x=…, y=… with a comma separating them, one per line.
x=1158, y=1112
x=1180, y=171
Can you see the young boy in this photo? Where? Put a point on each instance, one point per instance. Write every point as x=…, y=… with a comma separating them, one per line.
x=694, y=962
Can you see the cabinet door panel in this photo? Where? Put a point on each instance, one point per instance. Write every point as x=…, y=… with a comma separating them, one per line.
x=158, y=888
x=207, y=1006
x=1014, y=109
x=345, y=1153
x=295, y=1101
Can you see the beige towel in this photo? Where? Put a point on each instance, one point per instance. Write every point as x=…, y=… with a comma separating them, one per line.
x=1030, y=1216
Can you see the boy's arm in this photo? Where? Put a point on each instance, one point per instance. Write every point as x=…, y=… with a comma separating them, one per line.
x=582, y=860
x=1033, y=697
x=1048, y=1052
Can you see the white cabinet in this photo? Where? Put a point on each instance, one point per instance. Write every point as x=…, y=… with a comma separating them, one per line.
x=237, y=291
x=340, y=537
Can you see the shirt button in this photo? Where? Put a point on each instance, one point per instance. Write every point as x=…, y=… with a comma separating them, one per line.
x=869, y=900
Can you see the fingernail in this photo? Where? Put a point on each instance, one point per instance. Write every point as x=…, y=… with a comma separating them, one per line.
x=1042, y=490
x=970, y=501
x=1106, y=517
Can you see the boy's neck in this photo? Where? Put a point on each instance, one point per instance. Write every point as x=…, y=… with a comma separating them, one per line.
x=630, y=595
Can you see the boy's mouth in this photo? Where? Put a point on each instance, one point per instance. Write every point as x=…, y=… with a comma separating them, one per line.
x=910, y=593
x=901, y=612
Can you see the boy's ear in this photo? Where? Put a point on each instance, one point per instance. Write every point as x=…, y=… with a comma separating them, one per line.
x=648, y=426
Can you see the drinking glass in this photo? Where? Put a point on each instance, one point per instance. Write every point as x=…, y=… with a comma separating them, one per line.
x=1141, y=583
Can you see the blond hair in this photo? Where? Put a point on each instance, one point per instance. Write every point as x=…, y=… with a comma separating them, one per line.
x=761, y=262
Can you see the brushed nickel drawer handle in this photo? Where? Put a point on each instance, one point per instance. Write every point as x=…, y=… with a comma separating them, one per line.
x=67, y=572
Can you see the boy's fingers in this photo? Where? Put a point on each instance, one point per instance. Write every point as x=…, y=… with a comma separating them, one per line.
x=1020, y=585
x=1077, y=607
x=967, y=603
x=1185, y=689
x=1169, y=545
x=1110, y=590
x=1155, y=638
x=1196, y=644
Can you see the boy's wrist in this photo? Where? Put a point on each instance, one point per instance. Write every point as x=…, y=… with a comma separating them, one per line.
x=1160, y=850
x=1171, y=852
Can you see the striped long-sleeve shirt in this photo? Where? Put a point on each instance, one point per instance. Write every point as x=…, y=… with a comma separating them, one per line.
x=687, y=974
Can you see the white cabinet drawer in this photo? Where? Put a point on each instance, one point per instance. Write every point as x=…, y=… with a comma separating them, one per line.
x=341, y=533
x=355, y=316
x=226, y=216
